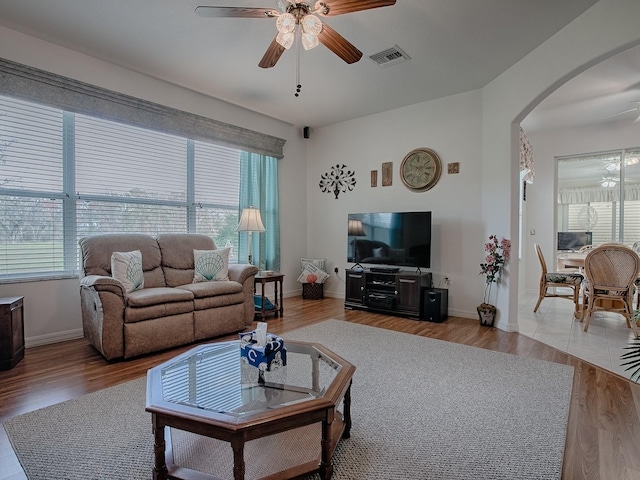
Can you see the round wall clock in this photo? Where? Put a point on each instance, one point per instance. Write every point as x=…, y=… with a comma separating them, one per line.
x=420, y=169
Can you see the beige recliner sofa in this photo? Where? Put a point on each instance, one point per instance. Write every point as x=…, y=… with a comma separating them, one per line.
x=170, y=310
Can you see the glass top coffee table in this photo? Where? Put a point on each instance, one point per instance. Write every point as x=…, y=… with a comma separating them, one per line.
x=211, y=398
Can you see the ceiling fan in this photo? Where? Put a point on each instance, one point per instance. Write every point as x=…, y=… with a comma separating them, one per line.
x=634, y=109
x=301, y=18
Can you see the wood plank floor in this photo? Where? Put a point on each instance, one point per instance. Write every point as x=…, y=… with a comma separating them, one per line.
x=603, y=434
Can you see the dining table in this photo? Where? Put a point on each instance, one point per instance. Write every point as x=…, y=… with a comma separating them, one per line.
x=570, y=260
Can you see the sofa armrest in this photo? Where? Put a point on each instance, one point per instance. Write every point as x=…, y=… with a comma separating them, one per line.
x=245, y=274
x=104, y=284
x=240, y=272
x=103, y=302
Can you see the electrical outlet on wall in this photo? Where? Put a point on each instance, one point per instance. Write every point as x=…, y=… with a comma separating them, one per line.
x=447, y=280
x=336, y=270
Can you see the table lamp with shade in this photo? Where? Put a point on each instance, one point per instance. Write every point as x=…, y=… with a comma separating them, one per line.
x=250, y=222
x=355, y=229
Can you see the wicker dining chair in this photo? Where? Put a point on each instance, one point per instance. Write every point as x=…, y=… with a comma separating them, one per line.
x=611, y=272
x=636, y=248
x=558, y=280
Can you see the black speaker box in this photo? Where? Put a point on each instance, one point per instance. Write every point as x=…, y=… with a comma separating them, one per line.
x=435, y=304
x=306, y=132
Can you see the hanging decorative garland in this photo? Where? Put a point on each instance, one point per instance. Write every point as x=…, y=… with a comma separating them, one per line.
x=338, y=180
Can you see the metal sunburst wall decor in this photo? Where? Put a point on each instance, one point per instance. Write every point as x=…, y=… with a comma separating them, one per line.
x=339, y=179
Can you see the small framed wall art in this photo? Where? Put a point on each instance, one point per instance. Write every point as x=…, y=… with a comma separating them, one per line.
x=387, y=174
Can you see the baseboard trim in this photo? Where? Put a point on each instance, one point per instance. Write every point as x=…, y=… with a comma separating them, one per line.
x=50, y=338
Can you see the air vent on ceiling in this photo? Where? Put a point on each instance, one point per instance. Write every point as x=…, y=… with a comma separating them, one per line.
x=391, y=56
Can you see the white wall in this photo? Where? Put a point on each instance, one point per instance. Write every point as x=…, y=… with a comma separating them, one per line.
x=511, y=96
x=541, y=195
x=492, y=187
x=52, y=308
x=452, y=127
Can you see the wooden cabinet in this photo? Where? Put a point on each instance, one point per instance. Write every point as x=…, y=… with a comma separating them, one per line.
x=397, y=293
x=408, y=291
x=355, y=287
x=11, y=332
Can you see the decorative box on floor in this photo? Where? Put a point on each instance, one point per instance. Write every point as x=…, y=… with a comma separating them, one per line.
x=313, y=291
x=313, y=277
x=270, y=357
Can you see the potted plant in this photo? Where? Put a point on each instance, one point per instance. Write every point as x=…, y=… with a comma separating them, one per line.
x=498, y=252
x=633, y=355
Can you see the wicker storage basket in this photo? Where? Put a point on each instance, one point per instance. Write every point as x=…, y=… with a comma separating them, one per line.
x=312, y=291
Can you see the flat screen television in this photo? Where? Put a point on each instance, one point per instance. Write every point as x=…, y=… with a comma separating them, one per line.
x=574, y=240
x=390, y=238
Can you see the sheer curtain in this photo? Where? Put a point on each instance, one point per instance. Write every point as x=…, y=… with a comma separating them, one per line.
x=259, y=188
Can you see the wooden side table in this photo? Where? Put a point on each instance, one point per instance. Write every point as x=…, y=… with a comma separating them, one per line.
x=263, y=279
x=11, y=332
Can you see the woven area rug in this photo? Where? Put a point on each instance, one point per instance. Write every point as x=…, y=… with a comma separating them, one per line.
x=421, y=409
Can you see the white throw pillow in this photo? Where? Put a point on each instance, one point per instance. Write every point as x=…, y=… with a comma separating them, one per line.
x=318, y=262
x=211, y=265
x=312, y=274
x=127, y=268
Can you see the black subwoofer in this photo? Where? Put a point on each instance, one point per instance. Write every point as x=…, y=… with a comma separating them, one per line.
x=435, y=304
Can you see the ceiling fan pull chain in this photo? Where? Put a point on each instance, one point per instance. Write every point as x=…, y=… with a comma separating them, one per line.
x=298, y=84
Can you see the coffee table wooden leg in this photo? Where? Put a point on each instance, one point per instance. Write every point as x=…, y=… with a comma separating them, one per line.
x=347, y=412
x=238, y=458
x=160, y=469
x=326, y=465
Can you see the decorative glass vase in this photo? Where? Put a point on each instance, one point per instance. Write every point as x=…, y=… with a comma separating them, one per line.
x=486, y=314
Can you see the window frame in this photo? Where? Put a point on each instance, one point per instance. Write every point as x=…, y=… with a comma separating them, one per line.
x=71, y=96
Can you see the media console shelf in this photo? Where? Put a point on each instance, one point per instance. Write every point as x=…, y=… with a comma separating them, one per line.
x=396, y=293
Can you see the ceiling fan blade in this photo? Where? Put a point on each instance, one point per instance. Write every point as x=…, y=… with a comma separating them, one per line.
x=272, y=55
x=339, y=45
x=241, y=12
x=620, y=113
x=339, y=7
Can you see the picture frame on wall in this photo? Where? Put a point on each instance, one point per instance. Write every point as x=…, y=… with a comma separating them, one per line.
x=387, y=174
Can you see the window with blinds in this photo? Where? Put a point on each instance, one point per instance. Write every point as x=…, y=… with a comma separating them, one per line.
x=64, y=176
x=600, y=193
x=216, y=194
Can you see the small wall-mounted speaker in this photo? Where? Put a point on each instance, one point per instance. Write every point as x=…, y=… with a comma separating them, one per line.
x=306, y=132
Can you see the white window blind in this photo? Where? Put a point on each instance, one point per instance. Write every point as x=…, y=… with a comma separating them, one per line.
x=64, y=176
x=31, y=187
x=617, y=206
x=113, y=159
x=602, y=231
x=216, y=187
x=607, y=230
x=129, y=179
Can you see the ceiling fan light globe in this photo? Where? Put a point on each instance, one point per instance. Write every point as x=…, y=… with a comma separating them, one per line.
x=309, y=41
x=285, y=39
x=311, y=24
x=612, y=167
x=286, y=23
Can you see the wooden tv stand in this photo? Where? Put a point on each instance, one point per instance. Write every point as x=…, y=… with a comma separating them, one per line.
x=395, y=293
